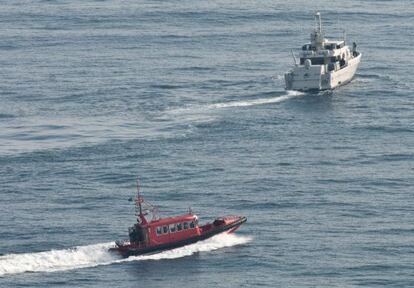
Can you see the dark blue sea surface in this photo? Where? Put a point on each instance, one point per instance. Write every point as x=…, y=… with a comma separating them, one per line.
x=189, y=96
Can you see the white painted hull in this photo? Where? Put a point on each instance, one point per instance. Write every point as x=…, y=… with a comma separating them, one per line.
x=316, y=77
x=344, y=75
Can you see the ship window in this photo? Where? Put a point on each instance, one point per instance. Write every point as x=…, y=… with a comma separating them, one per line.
x=339, y=46
x=185, y=225
x=172, y=228
x=192, y=225
x=165, y=229
x=159, y=230
x=307, y=47
x=317, y=61
x=314, y=60
x=179, y=227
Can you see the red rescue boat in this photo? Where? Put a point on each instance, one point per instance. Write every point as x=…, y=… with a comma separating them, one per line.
x=158, y=234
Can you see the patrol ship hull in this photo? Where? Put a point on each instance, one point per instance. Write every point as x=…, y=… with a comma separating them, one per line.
x=228, y=225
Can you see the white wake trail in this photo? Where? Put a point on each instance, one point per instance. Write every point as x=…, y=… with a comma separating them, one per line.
x=98, y=254
x=196, y=109
x=56, y=260
x=289, y=95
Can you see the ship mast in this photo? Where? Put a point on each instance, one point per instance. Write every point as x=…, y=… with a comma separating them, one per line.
x=318, y=22
x=316, y=35
x=138, y=205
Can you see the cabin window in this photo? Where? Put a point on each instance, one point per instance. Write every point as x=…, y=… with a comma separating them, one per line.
x=185, y=224
x=179, y=227
x=307, y=47
x=159, y=230
x=165, y=229
x=314, y=61
x=339, y=46
x=172, y=228
x=318, y=61
x=192, y=224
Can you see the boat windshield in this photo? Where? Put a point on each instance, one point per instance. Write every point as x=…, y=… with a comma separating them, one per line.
x=318, y=60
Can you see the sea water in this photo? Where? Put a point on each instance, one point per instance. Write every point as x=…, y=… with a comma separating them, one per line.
x=189, y=96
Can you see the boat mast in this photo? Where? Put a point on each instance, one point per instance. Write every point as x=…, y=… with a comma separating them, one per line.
x=138, y=205
x=318, y=22
x=316, y=35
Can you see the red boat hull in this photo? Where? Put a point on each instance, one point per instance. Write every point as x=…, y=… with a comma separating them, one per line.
x=208, y=231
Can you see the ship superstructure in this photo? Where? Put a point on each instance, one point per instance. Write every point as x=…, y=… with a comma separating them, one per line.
x=152, y=234
x=323, y=64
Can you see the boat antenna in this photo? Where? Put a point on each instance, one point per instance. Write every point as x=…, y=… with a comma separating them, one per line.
x=317, y=37
x=138, y=200
x=318, y=22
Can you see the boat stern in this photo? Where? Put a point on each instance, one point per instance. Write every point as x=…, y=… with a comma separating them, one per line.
x=306, y=78
x=289, y=80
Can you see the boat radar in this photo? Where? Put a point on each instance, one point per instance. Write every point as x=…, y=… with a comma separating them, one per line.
x=323, y=64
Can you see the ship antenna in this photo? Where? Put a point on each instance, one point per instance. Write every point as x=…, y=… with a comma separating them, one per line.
x=317, y=37
x=318, y=22
x=138, y=200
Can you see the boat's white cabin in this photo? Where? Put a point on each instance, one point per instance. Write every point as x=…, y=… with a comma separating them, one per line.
x=323, y=63
x=329, y=52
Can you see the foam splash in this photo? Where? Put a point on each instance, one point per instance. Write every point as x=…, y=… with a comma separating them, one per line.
x=289, y=95
x=278, y=77
x=245, y=103
x=98, y=254
x=56, y=260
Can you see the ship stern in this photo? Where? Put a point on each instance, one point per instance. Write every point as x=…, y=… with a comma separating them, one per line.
x=289, y=80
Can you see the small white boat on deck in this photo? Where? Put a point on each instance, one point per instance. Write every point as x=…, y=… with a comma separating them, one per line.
x=323, y=64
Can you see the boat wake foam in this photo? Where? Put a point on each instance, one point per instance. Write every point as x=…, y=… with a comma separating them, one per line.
x=98, y=254
x=289, y=95
x=230, y=104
